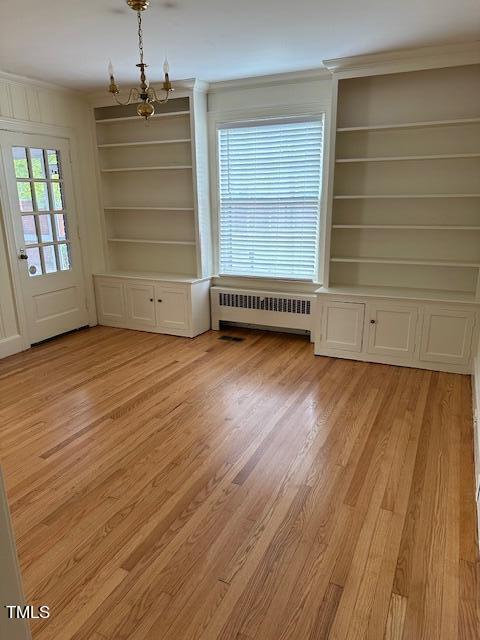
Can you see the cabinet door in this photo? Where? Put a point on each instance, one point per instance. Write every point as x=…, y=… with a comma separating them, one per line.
x=110, y=301
x=141, y=304
x=172, y=309
x=391, y=329
x=342, y=325
x=447, y=335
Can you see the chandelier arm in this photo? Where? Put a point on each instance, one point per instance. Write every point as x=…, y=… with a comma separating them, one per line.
x=132, y=96
x=154, y=97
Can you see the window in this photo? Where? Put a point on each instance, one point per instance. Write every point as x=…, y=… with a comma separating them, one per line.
x=269, y=200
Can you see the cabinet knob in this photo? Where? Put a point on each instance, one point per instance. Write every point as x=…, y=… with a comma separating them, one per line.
x=373, y=321
x=151, y=299
x=159, y=300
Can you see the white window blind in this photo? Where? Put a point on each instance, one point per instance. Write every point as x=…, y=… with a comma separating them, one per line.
x=270, y=189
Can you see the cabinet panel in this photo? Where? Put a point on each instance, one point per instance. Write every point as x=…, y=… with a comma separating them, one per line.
x=391, y=329
x=141, y=303
x=342, y=325
x=172, y=309
x=447, y=335
x=110, y=301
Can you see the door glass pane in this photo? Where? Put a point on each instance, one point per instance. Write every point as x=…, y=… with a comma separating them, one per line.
x=60, y=226
x=25, y=196
x=41, y=195
x=38, y=163
x=46, y=231
x=34, y=264
x=53, y=164
x=49, y=259
x=64, y=256
x=57, y=196
x=20, y=162
x=29, y=230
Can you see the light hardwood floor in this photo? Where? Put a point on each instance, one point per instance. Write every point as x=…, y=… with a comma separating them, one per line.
x=166, y=488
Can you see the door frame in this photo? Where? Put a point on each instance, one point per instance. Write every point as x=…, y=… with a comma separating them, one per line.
x=68, y=134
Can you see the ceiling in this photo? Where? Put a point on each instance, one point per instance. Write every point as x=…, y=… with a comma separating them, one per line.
x=69, y=42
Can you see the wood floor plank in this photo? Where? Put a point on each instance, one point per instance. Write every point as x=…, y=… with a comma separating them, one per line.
x=396, y=617
x=163, y=488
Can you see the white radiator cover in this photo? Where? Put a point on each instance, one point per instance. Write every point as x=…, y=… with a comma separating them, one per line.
x=285, y=310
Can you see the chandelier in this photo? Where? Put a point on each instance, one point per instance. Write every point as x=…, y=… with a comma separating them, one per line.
x=144, y=94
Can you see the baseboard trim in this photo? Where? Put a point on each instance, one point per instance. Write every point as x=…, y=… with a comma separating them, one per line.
x=11, y=345
x=463, y=369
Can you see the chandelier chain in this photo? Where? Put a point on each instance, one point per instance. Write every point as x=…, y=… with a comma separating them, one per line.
x=140, y=35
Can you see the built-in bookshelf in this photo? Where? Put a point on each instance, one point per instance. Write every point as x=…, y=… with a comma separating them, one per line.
x=406, y=200
x=154, y=178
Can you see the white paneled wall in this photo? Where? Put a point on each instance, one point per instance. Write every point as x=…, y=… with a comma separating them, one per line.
x=33, y=107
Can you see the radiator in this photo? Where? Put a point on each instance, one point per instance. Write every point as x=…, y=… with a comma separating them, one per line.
x=264, y=308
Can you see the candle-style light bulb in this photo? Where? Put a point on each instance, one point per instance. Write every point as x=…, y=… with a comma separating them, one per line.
x=166, y=68
x=112, y=87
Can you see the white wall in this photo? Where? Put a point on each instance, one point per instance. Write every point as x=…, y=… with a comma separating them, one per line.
x=10, y=584
x=476, y=409
x=272, y=96
x=34, y=107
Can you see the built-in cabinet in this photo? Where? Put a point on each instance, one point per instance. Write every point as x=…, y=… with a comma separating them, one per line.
x=402, y=244
x=155, y=187
x=431, y=336
x=178, y=306
x=404, y=200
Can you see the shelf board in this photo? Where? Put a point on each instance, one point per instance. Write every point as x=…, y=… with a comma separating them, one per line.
x=418, y=195
x=113, y=145
x=161, y=168
x=171, y=209
x=172, y=114
x=407, y=226
x=409, y=125
x=433, y=295
x=410, y=261
x=446, y=156
x=152, y=275
x=146, y=241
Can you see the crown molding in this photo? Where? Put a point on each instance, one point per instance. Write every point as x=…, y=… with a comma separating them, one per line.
x=183, y=88
x=270, y=80
x=452, y=55
x=39, y=84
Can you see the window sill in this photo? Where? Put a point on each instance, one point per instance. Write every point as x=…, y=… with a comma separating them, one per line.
x=261, y=282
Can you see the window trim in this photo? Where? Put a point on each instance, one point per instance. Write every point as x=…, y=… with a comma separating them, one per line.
x=259, y=119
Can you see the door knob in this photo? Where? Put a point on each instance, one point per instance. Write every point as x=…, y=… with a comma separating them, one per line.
x=22, y=255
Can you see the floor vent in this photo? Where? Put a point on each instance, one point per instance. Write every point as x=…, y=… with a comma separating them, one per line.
x=265, y=303
x=231, y=338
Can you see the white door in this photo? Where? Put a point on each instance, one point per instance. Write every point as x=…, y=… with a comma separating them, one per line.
x=110, y=301
x=141, y=304
x=342, y=325
x=447, y=335
x=172, y=313
x=391, y=329
x=42, y=210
